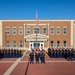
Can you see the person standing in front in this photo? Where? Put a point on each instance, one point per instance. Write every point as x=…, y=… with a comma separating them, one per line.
x=31, y=57
x=37, y=57
x=42, y=56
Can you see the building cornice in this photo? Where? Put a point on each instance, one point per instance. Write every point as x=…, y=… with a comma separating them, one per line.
x=39, y=20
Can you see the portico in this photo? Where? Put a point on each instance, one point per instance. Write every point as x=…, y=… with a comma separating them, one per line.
x=32, y=40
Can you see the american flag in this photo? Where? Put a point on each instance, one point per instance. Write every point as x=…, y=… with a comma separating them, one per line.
x=36, y=18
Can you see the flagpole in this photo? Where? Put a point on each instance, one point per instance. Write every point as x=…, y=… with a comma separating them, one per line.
x=36, y=28
x=36, y=37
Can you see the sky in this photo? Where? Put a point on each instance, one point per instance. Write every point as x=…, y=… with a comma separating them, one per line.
x=46, y=9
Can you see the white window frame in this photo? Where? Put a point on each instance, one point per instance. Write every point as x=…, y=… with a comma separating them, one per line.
x=53, y=31
x=20, y=43
x=15, y=44
x=13, y=31
x=20, y=31
x=63, y=44
x=43, y=30
x=57, y=44
x=39, y=30
x=66, y=30
x=8, y=44
x=57, y=30
x=50, y=43
x=7, y=31
x=27, y=30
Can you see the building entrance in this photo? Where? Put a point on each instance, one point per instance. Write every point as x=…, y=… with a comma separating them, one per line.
x=39, y=43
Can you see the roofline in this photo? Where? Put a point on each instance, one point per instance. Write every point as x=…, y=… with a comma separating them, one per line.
x=39, y=20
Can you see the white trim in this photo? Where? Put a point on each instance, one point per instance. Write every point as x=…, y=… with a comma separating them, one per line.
x=41, y=20
x=46, y=30
x=48, y=34
x=38, y=24
x=12, y=30
x=19, y=43
x=50, y=31
x=26, y=30
x=56, y=30
x=50, y=43
x=8, y=44
x=19, y=30
x=1, y=34
x=13, y=43
x=24, y=34
x=9, y=31
x=35, y=34
x=60, y=43
x=66, y=30
x=74, y=35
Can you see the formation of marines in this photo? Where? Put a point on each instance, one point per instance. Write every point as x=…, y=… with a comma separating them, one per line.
x=68, y=53
x=10, y=53
x=38, y=56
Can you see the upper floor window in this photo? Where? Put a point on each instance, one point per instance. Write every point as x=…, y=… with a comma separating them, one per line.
x=36, y=30
x=58, y=30
x=14, y=43
x=20, y=31
x=44, y=30
x=21, y=43
x=51, y=30
x=7, y=31
x=65, y=30
x=28, y=30
x=14, y=31
x=7, y=44
x=58, y=43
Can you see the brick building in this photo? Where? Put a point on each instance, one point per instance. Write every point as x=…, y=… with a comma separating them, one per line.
x=51, y=33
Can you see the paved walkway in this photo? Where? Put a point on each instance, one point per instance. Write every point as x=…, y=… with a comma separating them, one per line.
x=21, y=66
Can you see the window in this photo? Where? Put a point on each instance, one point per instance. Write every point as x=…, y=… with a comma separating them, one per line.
x=51, y=30
x=14, y=31
x=36, y=30
x=14, y=43
x=7, y=30
x=20, y=31
x=21, y=43
x=65, y=31
x=51, y=43
x=64, y=43
x=28, y=30
x=58, y=30
x=58, y=43
x=44, y=30
x=7, y=44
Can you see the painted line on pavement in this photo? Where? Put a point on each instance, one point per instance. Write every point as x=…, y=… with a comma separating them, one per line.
x=8, y=72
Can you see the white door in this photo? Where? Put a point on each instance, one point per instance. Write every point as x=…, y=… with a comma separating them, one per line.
x=31, y=46
x=41, y=46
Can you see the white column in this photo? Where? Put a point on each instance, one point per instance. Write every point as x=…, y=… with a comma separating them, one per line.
x=1, y=34
x=72, y=44
x=24, y=35
x=74, y=35
x=48, y=34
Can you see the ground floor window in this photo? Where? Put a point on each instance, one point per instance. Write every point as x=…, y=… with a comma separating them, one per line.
x=51, y=43
x=64, y=43
x=14, y=43
x=58, y=43
x=7, y=44
x=21, y=43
